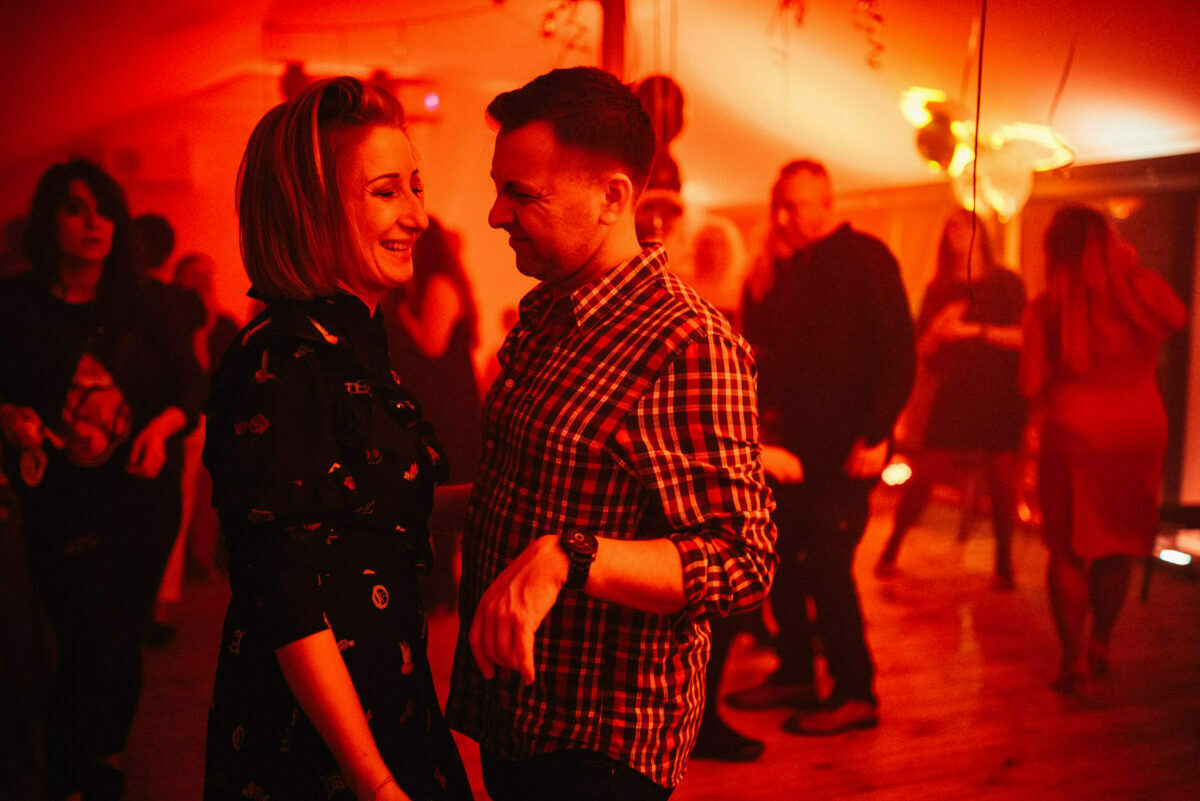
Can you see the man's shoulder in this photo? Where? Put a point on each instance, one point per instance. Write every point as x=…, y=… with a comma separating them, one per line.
x=678, y=312
x=860, y=242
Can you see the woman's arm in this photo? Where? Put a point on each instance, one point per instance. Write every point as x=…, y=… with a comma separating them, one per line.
x=431, y=326
x=1008, y=337
x=317, y=676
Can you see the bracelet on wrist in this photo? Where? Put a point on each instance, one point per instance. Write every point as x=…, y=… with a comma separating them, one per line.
x=375, y=793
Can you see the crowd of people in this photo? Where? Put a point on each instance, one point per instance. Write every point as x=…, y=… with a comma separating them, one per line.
x=645, y=475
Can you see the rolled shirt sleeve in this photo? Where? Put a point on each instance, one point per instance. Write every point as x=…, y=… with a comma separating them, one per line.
x=692, y=440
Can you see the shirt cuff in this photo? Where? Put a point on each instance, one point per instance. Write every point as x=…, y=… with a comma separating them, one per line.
x=693, y=553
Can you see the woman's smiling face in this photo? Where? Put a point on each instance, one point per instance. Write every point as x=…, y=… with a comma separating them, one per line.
x=384, y=204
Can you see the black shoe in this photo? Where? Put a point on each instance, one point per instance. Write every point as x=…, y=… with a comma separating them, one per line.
x=717, y=741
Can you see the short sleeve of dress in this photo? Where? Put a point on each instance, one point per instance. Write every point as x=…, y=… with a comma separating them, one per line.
x=278, y=474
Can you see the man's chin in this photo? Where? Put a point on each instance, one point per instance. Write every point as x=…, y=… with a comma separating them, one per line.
x=529, y=267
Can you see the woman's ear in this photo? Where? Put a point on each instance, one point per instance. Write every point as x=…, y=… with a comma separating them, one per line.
x=618, y=197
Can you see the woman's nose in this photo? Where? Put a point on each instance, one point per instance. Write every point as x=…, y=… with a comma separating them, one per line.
x=413, y=215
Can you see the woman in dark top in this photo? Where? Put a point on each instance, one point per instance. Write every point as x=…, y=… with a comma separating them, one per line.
x=969, y=336
x=93, y=385
x=323, y=473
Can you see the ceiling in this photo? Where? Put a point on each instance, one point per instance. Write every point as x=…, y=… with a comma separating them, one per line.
x=760, y=87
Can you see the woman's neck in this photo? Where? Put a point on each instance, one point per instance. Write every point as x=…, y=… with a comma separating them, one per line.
x=78, y=282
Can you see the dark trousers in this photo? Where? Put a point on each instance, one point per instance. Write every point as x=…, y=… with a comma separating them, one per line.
x=96, y=560
x=820, y=526
x=566, y=776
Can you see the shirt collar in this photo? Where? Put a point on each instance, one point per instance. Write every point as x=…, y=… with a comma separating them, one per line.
x=590, y=301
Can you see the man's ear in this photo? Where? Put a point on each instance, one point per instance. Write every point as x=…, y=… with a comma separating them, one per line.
x=618, y=197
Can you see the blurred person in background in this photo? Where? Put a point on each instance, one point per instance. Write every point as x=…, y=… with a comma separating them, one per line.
x=93, y=387
x=433, y=328
x=201, y=527
x=1089, y=361
x=154, y=242
x=969, y=337
x=826, y=312
x=323, y=473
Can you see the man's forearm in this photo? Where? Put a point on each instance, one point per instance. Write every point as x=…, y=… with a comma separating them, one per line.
x=643, y=574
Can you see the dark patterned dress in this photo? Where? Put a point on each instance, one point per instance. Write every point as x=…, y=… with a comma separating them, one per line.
x=323, y=474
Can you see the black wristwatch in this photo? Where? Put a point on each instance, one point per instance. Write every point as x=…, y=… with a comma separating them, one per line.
x=580, y=547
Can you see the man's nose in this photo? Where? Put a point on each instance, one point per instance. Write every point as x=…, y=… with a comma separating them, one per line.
x=500, y=213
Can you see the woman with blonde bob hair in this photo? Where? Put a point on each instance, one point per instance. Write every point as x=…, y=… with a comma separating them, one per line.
x=1089, y=359
x=323, y=474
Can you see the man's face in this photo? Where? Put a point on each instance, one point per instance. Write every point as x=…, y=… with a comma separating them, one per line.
x=547, y=201
x=802, y=209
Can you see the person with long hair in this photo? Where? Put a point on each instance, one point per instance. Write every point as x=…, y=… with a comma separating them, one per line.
x=969, y=337
x=93, y=385
x=323, y=473
x=1089, y=361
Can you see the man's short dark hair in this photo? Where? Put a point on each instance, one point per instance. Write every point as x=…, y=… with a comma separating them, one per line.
x=793, y=168
x=588, y=109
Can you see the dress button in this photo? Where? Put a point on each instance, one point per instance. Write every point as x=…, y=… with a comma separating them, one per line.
x=491, y=443
x=509, y=383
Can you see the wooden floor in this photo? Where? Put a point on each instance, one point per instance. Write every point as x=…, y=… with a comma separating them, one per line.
x=963, y=676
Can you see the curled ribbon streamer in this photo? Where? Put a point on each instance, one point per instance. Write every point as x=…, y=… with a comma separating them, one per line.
x=866, y=18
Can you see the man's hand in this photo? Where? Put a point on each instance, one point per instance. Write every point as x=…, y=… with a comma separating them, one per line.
x=866, y=462
x=513, y=608
x=782, y=465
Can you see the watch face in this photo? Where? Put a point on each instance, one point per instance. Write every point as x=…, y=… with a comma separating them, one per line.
x=581, y=543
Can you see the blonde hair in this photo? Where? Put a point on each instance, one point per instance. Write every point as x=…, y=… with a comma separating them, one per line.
x=293, y=228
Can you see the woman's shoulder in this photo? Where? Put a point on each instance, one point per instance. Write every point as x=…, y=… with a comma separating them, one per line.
x=281, y=348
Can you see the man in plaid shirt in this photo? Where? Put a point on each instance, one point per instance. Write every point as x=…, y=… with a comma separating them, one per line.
x=620, y=504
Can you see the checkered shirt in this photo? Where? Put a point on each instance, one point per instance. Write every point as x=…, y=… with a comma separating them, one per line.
x=626, y=408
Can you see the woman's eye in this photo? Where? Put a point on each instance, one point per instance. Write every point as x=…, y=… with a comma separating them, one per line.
x=385, y=193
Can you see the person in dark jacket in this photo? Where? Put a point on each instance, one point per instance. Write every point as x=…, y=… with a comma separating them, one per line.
x=829, y=320
x=94, y=386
